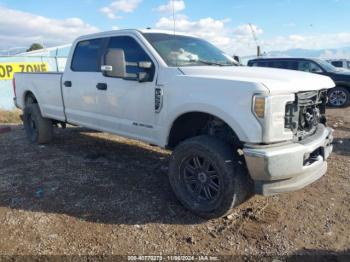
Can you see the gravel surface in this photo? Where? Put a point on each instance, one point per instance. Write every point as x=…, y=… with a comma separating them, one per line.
x=90, y=193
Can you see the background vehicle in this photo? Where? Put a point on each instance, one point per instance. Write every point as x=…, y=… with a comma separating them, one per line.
x=338, y=96
x=228, y=126
x=340, y=63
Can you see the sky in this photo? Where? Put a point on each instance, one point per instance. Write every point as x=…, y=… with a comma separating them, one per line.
x=278, y=24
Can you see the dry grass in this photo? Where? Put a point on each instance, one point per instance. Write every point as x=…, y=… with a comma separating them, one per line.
x=12, y=116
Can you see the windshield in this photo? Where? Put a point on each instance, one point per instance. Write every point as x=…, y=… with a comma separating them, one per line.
x=178, y=50
x=326, y=66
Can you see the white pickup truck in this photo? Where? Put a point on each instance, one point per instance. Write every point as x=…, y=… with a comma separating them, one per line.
x=233, y=130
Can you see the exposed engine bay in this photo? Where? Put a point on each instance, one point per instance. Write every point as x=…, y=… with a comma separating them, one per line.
x=305, y=113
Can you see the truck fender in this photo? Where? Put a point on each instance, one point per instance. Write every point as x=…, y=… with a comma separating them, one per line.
x=207, y=109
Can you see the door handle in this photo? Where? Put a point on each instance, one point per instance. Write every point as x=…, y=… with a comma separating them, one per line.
x=101, y=86
x=67, y=83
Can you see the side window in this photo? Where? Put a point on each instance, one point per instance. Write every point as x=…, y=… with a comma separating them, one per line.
x=292, y=65
x=262, y=64
x=304, y=66
x=133, y=53
x=308, y=66
x=87, y=56
x=314, y=68
x=337, y=63
x=271, y=64
x=278, y=64
x=284, y=64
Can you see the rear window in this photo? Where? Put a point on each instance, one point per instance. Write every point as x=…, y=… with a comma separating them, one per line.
x=87, y=56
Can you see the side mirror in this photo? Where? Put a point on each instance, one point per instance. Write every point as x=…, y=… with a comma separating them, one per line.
x=114, y=63
x=237, y=58
x=145, y=65
x=143, y=77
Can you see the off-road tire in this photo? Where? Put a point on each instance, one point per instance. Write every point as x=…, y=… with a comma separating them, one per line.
x=235, y=183
x=39, y=130
x=342, y=92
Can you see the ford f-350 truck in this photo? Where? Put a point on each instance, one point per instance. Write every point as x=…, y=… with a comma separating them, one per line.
x=233, y=130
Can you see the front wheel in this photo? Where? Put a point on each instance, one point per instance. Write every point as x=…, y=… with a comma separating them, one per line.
x=339, y=97
x=207, y=177
x=38, y=129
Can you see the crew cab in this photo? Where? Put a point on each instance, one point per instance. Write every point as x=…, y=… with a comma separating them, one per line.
x=338, y=96
x=233, y=130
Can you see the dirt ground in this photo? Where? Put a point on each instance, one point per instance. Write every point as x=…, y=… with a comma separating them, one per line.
x=89, y=193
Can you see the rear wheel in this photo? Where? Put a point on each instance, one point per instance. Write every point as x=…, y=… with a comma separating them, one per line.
x=38, y=129
x=339, y=97
x=207, y=177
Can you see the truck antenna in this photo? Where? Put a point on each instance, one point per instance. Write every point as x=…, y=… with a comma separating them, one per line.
x=174, y=19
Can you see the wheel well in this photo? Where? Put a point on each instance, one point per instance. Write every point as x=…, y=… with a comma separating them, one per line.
x=29, y=98
x=344, y=86
x=197, y=123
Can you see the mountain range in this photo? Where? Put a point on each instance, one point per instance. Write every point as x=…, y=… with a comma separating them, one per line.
x=338, y=53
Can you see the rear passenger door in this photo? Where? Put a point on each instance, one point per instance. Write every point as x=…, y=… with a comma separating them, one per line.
x=79, y=84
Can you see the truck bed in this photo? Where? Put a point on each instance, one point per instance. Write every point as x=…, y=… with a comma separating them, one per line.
x=46, y=87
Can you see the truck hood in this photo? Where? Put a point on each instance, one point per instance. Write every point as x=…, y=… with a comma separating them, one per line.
x=277, y=81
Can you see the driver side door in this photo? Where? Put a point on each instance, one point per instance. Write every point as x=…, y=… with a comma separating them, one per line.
x=127, y=106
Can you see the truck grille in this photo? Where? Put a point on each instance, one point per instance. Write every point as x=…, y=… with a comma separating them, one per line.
x=305, y=113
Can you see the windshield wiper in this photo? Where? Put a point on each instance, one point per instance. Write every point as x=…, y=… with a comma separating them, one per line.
x=206, y=62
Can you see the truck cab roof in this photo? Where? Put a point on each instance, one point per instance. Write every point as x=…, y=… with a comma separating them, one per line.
x=132, y=31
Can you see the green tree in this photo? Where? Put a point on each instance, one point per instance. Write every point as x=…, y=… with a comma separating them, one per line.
x=35, y=46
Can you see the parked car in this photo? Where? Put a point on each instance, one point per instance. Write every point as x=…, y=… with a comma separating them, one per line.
x=338, y=96
x=233, y=130
x=340, y=63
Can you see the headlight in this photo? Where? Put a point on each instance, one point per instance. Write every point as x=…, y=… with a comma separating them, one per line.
x=259, y=106
x=270, y=111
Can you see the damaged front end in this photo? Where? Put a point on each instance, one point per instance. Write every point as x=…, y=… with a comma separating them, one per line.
x=305, y=114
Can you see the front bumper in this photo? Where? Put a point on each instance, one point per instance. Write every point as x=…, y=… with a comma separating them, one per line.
x=289, y=167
